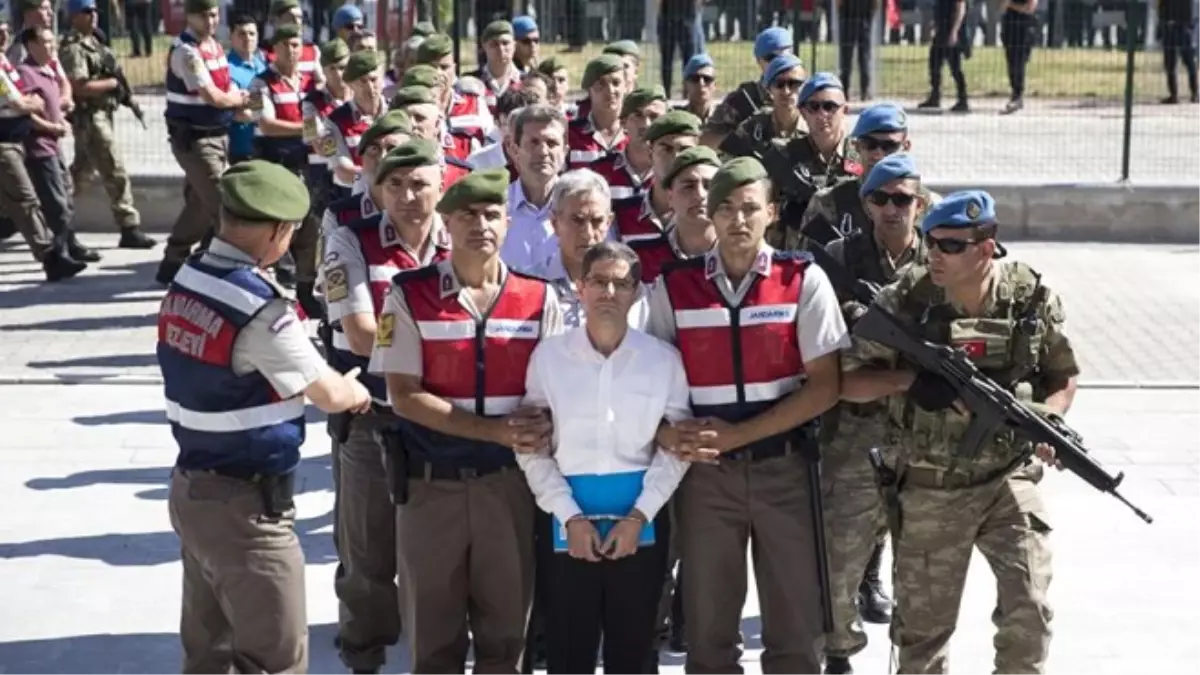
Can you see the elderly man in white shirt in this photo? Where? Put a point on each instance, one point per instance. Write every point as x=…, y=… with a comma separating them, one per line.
x=605, y=481
x=539, y=138
x=581, y=215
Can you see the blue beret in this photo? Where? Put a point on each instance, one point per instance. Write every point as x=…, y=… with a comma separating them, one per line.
x=780, y=64
x=819, y=82
x=890, y=168
x=77, y=6
x=346, y=15
x=961, y=209
x=524, y=25
x=696, y=63
x=883, y=117
x=772, y=41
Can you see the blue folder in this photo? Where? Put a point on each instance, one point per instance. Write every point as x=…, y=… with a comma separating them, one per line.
x=604, y=499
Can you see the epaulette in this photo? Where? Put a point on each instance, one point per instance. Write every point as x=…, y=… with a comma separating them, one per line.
x=792, y=256
x=366, y=222
x=471, y=85
x=415, y=274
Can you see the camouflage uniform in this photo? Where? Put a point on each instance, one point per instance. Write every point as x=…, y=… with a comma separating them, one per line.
x=819, y=174
x=837, y=212
x=855, y=519
x=82, y=58
x=948, y=504
x=736, y=107
x=758, y=133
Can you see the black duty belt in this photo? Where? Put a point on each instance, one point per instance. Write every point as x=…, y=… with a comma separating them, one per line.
x=422, y=470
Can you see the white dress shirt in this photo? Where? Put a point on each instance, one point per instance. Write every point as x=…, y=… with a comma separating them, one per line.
x=530, y=238
x=606, y=412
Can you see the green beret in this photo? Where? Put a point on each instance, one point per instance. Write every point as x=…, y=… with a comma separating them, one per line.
x=623, y=48
x=640, y=98
x=280, y=6
x=407, y=96
x=424, y=29
x=699, y=154
x=416, y=152
x=189, y=6
x=265, y=192
x=674, y=122
x=334, y=51
x=287, y=32
x=435, y=47
x=600, y=66
x=360, y=64
x=736, y=173
x=421, y=76
x=391, y=122
x=478, y=187
x=495, y=29
x=28, y=5
x=550, y=66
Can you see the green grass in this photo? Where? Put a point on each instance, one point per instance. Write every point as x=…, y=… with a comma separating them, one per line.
x=1065, y=74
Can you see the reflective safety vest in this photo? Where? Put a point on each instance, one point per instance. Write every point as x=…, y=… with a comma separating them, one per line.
x=634, y=219
x=310, y=58
x=15, y=124
x=287, y=99
x=352, y=123
x=468, y=112
x=460, y=144
x=220, y=419
x=352, y=208
x=583, y=147
x=455, y=170
x=653, y=254
x=739, y=360
x=622, y=183
x=185, y=105
x=477, y=366
x=383, y=263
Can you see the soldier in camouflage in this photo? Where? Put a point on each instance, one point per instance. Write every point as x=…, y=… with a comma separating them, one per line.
x=950, y=500
x=773, y=126
x=836, y=212
x=749, y=96
x=855, y=520
x=96, y=90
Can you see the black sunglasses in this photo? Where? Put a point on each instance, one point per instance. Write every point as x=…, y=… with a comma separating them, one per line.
x=701, y=79
x=789, y=84
x=900, y=199
x=827, y=106
x=949, y=246
x=887, y=145
x=530, y=41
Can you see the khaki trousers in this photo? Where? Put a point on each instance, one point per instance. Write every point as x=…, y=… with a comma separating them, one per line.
x=95, y=140
x=369, y=599
x=203, y=161
x=19, y=201
x=1006, y=520
x=243, y=579
x=765, y=504
x=466, y=552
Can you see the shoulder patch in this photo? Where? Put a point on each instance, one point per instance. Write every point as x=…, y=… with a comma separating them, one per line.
x=385, y=330
x=337, y=286
x=286, y=319
x=327, y=146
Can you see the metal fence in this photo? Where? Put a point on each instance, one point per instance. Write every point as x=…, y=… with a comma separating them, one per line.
x=1092, y=101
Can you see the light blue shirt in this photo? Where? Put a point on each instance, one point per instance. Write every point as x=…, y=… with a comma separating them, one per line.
x=530, y=238
x=241, y=134
x=574, y=315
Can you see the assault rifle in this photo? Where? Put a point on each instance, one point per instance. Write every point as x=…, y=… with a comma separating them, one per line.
x=991, y=406
x=124, y=93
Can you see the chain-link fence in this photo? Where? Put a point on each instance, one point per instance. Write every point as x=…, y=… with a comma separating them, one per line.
x=1094, y=78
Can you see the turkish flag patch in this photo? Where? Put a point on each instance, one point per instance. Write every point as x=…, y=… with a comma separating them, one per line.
x=974, y=349
x=852, y=167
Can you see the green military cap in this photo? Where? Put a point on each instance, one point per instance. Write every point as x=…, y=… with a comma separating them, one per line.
x=407, y=96
x=496, y=29
x=360, y=64
x=423, y=29
x=599, y=67
x=478, y=187
x=640, y=98
x=421, y=76
x=699, y=154
x=278, y=7
x=287, y=32
x=436, y=46
x=674, y=122
x=263, y=191
x=623, y=48
x=391, y=122
x=550, y=66
x=28, y=5
x=334, y=51
x=189, y=6
x=416, y=152
x=736, y=173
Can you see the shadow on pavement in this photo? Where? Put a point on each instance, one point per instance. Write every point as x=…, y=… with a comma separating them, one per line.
x=111, y=361
x=87, y=323
x=87, y=288
x=158, y=416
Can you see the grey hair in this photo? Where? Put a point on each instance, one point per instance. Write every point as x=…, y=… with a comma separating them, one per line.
x=579, y=182
x=613, y=250
x=538, y=113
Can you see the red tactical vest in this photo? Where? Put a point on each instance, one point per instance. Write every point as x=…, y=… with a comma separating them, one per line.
x=468, y=113
x=352, y=124
x=460, y=144
x=286, y=98
x=352, y=208
x=653, y=254
x=634, y=219
x=384, y=262
x=622, y=184
x=739, y=360
x=582, y=146
x=455, y=170
x=310, y=58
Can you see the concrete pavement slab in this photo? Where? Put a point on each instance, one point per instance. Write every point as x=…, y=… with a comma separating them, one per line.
x=91, y=568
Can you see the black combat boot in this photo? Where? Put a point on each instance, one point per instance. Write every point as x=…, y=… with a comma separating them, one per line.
x=133, y=237
x=874, y=606
x=837, y=664
x=58, y=263
x=78, y=251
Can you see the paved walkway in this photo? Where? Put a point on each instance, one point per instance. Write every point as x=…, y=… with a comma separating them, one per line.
x=1048, y=143
x=1132, y=310
x=91, y=568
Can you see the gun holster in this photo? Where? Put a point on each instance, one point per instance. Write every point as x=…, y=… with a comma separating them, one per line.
x=339, y=426
x=278, y=494
x=395, y=464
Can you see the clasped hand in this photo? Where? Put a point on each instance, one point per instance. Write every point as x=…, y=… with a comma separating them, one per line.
x=583, y=540
x=699, y=440
x=526, y=430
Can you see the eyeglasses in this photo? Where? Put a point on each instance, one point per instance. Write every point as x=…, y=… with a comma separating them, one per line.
x=623, y=285
x=530, y=41
x=900, y=199
x=887, y=145
x=948, y=245
x=702, y=79
x=789, y=84
x=823, y=106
